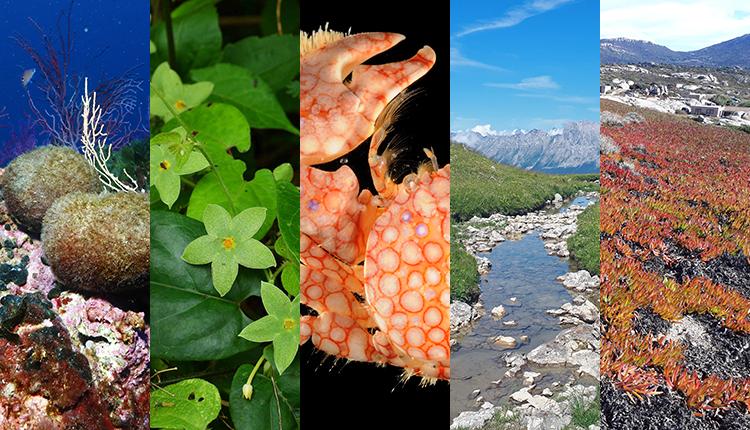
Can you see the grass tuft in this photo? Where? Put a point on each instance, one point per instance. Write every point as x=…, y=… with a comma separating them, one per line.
x=584, y=245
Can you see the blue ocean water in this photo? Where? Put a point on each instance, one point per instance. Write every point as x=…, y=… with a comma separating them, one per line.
x=109, y=38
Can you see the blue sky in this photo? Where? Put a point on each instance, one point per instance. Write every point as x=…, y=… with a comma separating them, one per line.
x=682, y=25
x=524, y=64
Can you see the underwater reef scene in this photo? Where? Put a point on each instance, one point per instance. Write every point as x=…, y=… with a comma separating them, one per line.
x=74, y=217
x=225, y=232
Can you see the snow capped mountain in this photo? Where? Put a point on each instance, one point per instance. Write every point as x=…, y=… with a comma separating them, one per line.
x=487, y=130
x=575, y=147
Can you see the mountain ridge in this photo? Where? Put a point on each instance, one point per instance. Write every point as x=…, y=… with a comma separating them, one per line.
x=572, y=149
x=620, y=50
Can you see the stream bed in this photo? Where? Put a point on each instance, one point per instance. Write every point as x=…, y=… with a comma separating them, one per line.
x=523, y=279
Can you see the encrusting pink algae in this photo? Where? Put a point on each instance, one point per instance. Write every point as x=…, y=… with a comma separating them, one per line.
x=67, y=360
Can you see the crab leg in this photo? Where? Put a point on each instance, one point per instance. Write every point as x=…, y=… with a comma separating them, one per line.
x=336, y=117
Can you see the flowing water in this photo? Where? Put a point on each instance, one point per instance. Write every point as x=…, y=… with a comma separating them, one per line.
x=523, y=270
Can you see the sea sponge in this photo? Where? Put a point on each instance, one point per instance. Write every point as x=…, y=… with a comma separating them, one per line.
x=35, y=179
x=99, y=242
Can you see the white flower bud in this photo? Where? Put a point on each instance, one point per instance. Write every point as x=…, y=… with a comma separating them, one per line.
x=247, y=391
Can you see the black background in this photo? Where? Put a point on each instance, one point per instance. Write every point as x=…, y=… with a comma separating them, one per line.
x=341, y=394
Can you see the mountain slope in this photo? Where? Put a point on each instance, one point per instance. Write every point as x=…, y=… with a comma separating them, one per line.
x=481, y=187
x=734, y=52
x=575, y=148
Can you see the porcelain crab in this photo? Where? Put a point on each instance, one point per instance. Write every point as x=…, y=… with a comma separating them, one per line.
x=375, y=271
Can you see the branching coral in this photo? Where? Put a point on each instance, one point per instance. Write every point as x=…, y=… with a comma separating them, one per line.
x=95, y=147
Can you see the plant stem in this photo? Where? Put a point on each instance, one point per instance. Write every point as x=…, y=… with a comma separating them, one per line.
x=272, y=276
x=255, y=369
x=187, y=182
x=166, y=10
x=189, y=135
x=278, y=17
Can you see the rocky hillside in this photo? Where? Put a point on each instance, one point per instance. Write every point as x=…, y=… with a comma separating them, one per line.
x=572, y=149
x=734, y=52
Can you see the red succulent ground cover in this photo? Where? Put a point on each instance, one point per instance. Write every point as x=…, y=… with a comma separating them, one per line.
x=675, y=221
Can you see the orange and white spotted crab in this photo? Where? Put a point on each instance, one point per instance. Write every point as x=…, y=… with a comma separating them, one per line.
x=375, y=268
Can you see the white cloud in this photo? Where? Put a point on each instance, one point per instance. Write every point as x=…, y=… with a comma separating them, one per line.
x=681, y=25
x=459, y=60
x=515, y=15
x=562, y=98
x=484, y=130
x=529, y=84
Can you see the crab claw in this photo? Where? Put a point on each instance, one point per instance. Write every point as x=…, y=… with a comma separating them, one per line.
x=337, y=116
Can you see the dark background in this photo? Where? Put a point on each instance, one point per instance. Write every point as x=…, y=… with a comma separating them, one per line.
x=341, y=394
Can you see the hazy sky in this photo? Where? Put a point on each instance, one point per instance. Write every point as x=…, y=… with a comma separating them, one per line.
x=524, y=64
x=682, y=25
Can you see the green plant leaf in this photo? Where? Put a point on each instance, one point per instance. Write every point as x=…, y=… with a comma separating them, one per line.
x=217, y=221
x=281, y=326
x=168, y=185
x=283, y=172
x=253, y=254
x=195, y=163
x=191, y=405
x=274, y=58
x=197, y=37
x=190, y=321
x=223, y=273
x=280, y=247
x=227, y=244
x=218, y=126
x=165, y=169
x=262, y=330
x=290, y=279
x=269, y=408
x=261, y=191
x=274, y=300
x=288, y=201
x=250, y=94
x=285, y=349
x=248, y=222
x=202, y=250
x=180, y=96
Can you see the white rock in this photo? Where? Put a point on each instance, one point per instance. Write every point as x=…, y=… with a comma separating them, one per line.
x=522, y=395
x=505, y=341
x=498, y=312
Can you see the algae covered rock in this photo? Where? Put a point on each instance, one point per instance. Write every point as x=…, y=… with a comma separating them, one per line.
x=99, y=242
x=34, y=180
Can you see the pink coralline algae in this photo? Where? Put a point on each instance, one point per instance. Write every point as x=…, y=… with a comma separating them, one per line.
x=67, y=360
